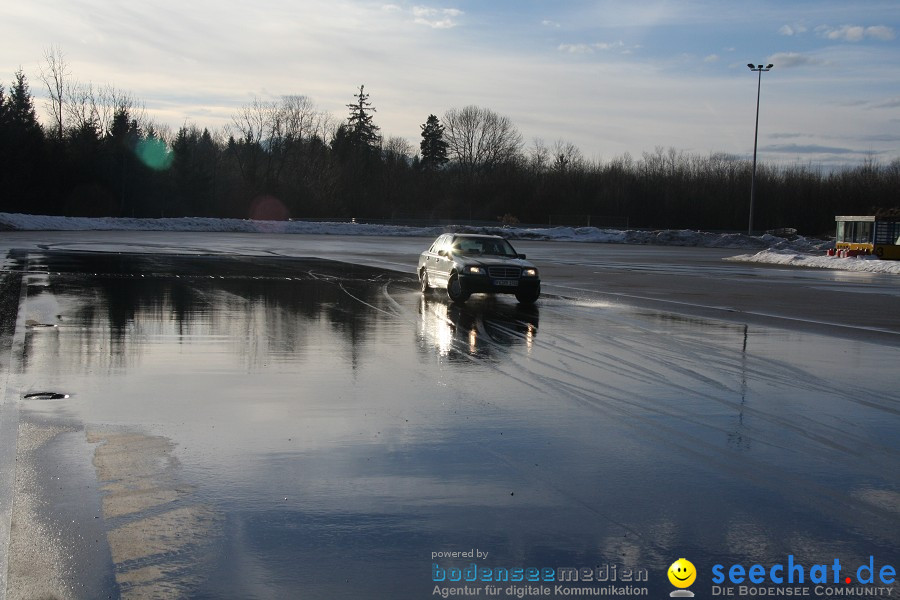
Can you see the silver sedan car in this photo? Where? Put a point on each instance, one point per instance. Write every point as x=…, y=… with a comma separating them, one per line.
x=466, y=264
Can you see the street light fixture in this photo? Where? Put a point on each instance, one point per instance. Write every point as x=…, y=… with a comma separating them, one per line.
x=758, y=69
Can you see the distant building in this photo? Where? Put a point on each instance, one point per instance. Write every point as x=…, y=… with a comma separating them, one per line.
x=868, y=235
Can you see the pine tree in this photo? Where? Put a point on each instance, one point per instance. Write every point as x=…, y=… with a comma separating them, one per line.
x=121, y=142
x=194, y=170
x=362, y=132
x=22, y=160
x=433, y=146
x=21, y=106
x=4, y=107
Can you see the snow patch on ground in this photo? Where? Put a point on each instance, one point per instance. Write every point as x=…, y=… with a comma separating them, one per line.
x=668, y=237
x=200, y=224
x=866, y=264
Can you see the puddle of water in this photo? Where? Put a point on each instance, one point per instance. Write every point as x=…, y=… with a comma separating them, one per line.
x=329, y=430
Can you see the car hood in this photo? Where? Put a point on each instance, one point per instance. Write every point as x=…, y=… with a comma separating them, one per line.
x=494, y=261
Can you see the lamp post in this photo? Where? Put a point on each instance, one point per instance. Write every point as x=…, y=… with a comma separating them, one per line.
x=758, y=69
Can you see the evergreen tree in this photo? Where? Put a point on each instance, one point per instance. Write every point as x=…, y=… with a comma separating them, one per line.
x=86, y=192
x=124, y=171
x=341, y=144
x=4, y=108
x=433, y=146
x=194, y=170
x=362, y=132
x=21, y=107
x=22, y=177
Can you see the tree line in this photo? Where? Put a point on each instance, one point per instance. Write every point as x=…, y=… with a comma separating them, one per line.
x=100, y=155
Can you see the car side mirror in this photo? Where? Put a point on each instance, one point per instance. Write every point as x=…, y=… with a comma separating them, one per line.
x=442, y=252
x=521, y=256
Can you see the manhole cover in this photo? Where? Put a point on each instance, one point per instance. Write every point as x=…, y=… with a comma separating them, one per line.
x=46, y=396
x=33, y=323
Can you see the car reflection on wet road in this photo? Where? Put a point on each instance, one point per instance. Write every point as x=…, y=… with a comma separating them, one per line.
x=262, y=428
x=454, y=330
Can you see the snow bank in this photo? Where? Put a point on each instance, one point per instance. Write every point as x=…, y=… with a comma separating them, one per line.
x=49, y=223
x=867, y=264
x=575, y=234
x=666, y=237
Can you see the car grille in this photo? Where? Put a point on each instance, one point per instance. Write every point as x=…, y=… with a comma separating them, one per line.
x=504, y=272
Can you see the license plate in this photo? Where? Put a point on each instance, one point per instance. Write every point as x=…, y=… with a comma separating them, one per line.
x=506, y=282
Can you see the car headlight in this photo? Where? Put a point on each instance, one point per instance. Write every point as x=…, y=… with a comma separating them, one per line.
x=475, y=270
x=531, y=272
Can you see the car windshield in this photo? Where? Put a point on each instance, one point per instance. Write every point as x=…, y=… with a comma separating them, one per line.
x=487, y=246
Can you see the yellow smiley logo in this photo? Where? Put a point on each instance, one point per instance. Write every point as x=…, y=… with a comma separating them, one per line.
x=682, y=573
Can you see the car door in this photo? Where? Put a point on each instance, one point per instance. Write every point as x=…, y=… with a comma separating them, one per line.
x=443, y=260
x=433, y=259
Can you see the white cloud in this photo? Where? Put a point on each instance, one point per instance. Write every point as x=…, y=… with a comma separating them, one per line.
x=892, y=103
x=590, y=48
x=848, y=33
x=575, y=48
x=856, y=33
x=794, y=29
x=787, y=60
x=436, y=18
x=608, y=45
x=711, y=58
x=881, y=32
x=553, y=24
x=391, y=8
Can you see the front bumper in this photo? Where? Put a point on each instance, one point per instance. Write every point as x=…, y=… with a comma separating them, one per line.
x=484, y=284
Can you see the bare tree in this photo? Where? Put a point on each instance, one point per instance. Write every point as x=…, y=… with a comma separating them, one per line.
x=55, y=74
x=105, y=107
x=480, y=138
x=251, y=125
x=115, y=101
x=295, y=118
x=90, y=106
x=81, y=107
x=278, y=128
x=538, y=156
x=397, y=148
x=566, y=156
x=301, y=118
x=327, y=127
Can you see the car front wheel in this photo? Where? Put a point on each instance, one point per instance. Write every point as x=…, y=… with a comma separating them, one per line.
x=423, y=283
x=455, y=290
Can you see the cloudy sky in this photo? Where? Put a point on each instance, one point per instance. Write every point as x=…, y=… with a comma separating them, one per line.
x=610, y=76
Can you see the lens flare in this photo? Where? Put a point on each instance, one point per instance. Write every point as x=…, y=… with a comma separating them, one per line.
x=268, y=208
x=154, y=154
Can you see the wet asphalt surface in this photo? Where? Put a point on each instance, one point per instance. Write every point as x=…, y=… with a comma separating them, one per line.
x=266, y=427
